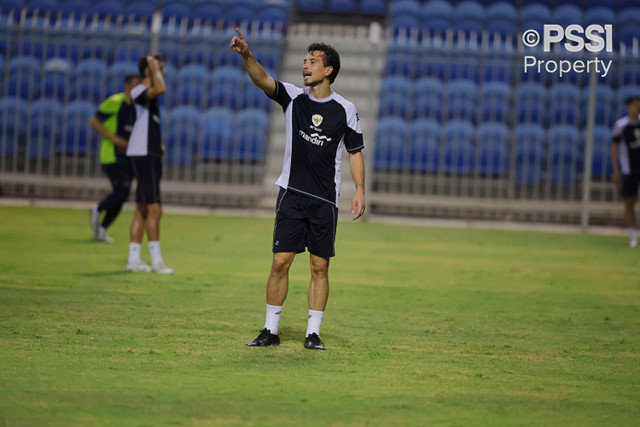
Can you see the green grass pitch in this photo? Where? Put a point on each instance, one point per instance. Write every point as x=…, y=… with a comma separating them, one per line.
x=424, y=326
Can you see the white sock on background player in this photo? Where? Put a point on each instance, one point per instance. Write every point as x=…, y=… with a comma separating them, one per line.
x=134, y=253
x=156, y=253
x=313, y=325
x=633, y=237
x=272, y=320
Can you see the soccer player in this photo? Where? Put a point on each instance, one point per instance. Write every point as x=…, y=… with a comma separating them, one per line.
x=114, y=121
x=625, y=157
x=319, y=123
x=145, y=151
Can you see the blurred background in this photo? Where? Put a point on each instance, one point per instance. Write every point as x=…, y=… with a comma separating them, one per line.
x=453, y=126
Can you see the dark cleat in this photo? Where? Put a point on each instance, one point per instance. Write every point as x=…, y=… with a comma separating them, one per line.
x=264, y=339
x=313, y=342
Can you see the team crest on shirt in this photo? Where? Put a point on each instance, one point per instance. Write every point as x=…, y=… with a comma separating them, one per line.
x=317, y=119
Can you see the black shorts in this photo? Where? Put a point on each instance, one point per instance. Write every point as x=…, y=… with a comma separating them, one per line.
x=304, y=222
x=630, y=185
x=148, y=171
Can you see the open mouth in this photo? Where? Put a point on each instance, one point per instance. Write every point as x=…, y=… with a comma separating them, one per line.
x=306, y=74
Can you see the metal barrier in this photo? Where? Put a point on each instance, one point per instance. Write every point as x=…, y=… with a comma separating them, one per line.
x=215, y=122
x=465, y=132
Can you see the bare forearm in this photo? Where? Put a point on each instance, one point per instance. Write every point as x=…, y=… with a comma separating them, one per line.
x=356, y=161
x=614, y=158
x=258, y=75
x=99, y=127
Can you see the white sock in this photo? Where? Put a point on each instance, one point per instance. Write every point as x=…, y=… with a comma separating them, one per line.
x=632, y=233
x=102, y=230
x=273, y=318
x=156, y=254
x=315, y=319
x=134, y=253
x=95, y=209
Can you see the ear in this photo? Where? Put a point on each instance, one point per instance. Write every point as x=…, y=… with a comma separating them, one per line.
x=328, y=71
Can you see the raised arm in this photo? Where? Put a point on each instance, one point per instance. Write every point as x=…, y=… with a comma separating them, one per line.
x=158, y=86
x=259, y=77
x=356, y=161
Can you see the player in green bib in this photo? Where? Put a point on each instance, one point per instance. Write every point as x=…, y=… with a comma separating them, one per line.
x=114, y=121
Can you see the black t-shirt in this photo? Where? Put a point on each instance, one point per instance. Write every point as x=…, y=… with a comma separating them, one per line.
x=627, y=136
x=317, y=129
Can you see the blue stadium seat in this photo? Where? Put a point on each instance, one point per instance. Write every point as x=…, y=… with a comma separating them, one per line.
x=182, y=145
x=56, y=81
x=424, y=146
x=627, y=34
x=254, y=97
x=140, y=10
x=531, y=99
x=436, y=24
x=238, y=14
x=390, y=147
x=496, y=102
x=208, y=13
x=184, y=117
x=428, y=93
x=14, y=113
x=118, y=70
x=222, y=95
x=437, y=9
x=42, y=7
x=565, y=153
x=469, y=11
x=25, y=66
x=217, y=134
x=462, y=89
x=272, y=14
x=404, y=7
x=501, y=11
x=534, y=13
x=599, y=15
x=504, y=28
x=566, y=15
x=373, y=7
x=7, y=6
x=492, y=141
x=342, y=6
x=91, y=69
x=177, y=11
x=564, y=93
x=601, y=160
x=192, y=86
x=107, y=8
x=459, y=154
x=75, y=8
x=468, y=26
x=404, y=21
x=252, y=131
x=77, y=136
x=311, y=5
x=530, y=145
x=628, y=17
x=394, y=96
x=229, y=76
x=44, y=127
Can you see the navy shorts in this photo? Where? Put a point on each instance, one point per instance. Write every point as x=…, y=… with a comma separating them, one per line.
x=630, y=185
x=304, y=222
x=148, y=171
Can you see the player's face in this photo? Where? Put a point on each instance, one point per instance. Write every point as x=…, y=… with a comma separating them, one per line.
x=313, y=69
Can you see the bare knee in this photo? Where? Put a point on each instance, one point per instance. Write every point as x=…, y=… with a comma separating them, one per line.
x=142, y=211
x=155, y=210
x=280, y=264
x=319, y=267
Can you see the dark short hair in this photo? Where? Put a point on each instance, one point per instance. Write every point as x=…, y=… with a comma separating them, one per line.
x=129, y=78
x=142, y=63
x=629, y=99
x=331, y=58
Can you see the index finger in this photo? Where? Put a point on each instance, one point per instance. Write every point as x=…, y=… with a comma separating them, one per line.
x=239, y=33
